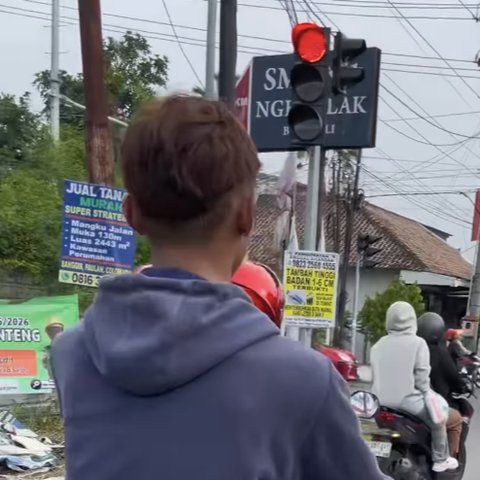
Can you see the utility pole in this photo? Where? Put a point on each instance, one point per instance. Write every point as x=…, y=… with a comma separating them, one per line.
x=211, y=38
x=98, y=136
x=228, y=51
x=54, y=79
x=347, y=244
x=311, y=239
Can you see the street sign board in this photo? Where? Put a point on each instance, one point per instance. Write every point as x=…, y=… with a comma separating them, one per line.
x=96, y=239
x=350, y=119
x=310, y=285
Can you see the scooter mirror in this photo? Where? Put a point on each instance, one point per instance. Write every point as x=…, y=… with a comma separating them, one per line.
x=364, y=404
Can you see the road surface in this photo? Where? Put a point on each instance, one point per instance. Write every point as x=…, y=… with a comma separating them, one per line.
x=473, y=446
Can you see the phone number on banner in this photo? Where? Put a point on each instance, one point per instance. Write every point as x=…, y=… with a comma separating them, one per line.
x=75, y=278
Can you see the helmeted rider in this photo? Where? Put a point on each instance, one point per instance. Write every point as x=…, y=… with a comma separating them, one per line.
x=456, y=348
x=401, y=376
x=444, y=376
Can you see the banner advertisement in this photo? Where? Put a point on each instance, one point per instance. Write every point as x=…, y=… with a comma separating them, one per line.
x=310, y=283
x=96, y=239
x=27, y=331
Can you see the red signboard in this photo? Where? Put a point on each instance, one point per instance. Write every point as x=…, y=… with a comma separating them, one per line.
x=476, y=218
x=242, y=98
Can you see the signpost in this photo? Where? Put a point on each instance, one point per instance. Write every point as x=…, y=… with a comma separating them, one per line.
x=26, y=332
x=264, y=98
x=310, y=283
x=96, y=239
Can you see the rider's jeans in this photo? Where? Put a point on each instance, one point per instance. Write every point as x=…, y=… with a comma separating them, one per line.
x=454, y=431
x=439, y=438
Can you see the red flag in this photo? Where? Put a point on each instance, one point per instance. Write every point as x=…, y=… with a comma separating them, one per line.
x=242, y=98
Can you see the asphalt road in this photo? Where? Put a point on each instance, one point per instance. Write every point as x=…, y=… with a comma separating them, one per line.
x=473, y=446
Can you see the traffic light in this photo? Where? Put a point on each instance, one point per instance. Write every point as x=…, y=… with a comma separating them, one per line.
x=345, y=72
x=310, y=81
x=366, y=250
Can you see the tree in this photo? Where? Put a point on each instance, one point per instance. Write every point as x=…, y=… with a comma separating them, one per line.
x=20, y=130
x=133, y=74
x=373, y=314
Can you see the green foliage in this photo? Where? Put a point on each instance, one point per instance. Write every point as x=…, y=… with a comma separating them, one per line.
x=133, y=75
x=373, y=314
x=20, y=130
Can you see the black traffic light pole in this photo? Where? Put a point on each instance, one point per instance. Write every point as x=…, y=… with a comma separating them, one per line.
x=228, y=51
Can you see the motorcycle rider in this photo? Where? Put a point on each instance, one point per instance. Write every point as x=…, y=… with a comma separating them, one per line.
x=456, y=348
x=401, y=376
x=444, y=376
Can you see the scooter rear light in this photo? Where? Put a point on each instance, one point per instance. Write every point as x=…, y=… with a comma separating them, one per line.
x=386, y=417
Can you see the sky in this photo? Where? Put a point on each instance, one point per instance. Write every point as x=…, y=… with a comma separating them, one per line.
x=429, y=111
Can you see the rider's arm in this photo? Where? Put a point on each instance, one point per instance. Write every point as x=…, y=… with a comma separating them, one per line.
x=460, y=349
x=422, y=367
x=334, y=447
x=449, y=372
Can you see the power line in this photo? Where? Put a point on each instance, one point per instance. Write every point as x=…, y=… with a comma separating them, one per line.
x=442, y=115
x=365, y=15
x=253, y=37
x=406, y=105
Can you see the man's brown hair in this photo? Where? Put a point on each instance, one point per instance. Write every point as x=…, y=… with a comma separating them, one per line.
x=182, y=155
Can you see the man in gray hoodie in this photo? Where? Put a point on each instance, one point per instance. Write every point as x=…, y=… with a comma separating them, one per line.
x=401, y=376
x=174, y=374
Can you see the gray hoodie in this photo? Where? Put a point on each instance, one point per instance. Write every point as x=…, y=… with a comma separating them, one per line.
x=401, y=362
x=174, y=378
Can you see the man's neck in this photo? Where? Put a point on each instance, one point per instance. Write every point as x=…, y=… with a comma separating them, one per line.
x=216, y=268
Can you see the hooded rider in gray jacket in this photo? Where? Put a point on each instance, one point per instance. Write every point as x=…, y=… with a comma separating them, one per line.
x=401, y=376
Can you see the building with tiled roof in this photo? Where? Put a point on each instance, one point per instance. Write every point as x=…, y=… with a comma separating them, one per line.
x=410, y=250
x=406, y=244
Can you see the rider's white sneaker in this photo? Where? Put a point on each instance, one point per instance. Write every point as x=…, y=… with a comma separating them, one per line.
x=449, y=464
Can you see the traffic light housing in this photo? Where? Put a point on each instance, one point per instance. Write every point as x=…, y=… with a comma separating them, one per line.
x=366, y=250
x=345, y=72
x=311, y=84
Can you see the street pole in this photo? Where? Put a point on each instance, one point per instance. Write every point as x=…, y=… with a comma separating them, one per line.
x=356, y=300
x=211, y=38
x=304, y=335
x=228, y=51
x=98, y=138
x=54, y=79
x=347, y=244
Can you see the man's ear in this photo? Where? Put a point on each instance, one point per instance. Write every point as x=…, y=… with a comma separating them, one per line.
x=132, y=214
x=246, y=217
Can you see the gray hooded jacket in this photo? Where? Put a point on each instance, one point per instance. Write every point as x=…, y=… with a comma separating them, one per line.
x=401, y=362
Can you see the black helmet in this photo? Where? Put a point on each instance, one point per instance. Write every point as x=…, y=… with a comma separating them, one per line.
x=431, y=327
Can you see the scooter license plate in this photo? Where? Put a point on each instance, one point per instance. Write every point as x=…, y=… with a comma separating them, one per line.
x=380, y=449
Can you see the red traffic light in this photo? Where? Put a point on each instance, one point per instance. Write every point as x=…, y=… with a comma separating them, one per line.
x=309, y=41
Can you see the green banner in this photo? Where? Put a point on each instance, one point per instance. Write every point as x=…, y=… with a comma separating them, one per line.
x=26, y=333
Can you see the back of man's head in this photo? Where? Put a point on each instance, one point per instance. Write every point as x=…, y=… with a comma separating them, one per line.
x=189, y=168
x=401, y=319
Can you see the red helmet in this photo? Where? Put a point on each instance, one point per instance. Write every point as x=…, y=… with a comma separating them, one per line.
x=452, y=333
x=263, y=287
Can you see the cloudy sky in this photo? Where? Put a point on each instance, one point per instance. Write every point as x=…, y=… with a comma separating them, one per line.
x=429, y=113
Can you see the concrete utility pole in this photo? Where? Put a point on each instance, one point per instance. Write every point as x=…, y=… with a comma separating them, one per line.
x=98, y=136
x=211, y=38
x=54, y=79
x=228, y=51
x=314, y=238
